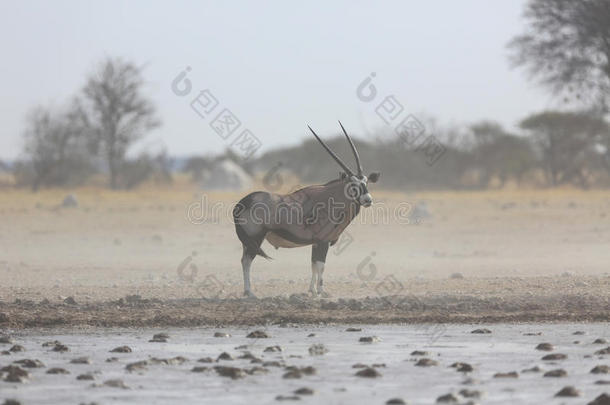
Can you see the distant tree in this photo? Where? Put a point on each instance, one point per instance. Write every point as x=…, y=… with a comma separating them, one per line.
x=115, y=112
x=566, y=47
x=567, y=143
x=499, y=154
x=55, y=150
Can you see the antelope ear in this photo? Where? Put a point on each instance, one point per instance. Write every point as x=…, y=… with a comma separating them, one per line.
x=343, y=175
x=373, y=177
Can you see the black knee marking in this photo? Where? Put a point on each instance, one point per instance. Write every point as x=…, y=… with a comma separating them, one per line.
x=319, y=251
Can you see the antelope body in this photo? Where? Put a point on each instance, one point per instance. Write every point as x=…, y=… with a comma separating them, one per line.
x=314, y=215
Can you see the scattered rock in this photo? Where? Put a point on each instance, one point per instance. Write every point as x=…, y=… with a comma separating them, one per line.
x=532, y=334
x=60, y=348
x=169, y=362
x=603, y=351
x=446, y=398
x=603, y=399
x=231, y=372
x=272, y=364
x=578, y=332
x=353, y=330
x=287, y=398
x=292, y=374
x=158, y=340
x=257, y=334
x=29, y=363
x=11, y=402
x=6, y=340
x=534, y=369
x=600, y=341
x=51, y=343
x=225, y=356
x=137, y=366
x=70, y=301
x=112, y=359
x=199, y=369
x=419, y=353
x=547, y=347
x=309, y=370
x=273, y=349
x=161, y=335
x=115, y=383
x=601, y=369
x=317, y=349
x=554, y=356
x=256, y=370
x=369, y=339
x=121, y=349
x=304, y=391
x=426, y=362
x=470, y=393
x=85, y=377
x=368, y=372
x=481, y=331
x=311, y=335
x=16, y=349
x=81, y=360
x=568, y=391
x=395, y=401
x=221, y=335
x=57, y=370
x=602, y=382
x=206, y=360
x=511, y=374
x=465, y=368
x=556, y=373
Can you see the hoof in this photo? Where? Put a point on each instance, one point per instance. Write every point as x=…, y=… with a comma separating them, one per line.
x=250, y=294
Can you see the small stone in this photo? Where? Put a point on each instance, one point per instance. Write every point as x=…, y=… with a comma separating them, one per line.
x=603, y=351
x=256, y=370
x=231, y=372
x=481, y=331
x=199, y=369
x=85, y=377
x=547, y=347
x=602, y=382
x=568, y=391
x=60, y=348
x=309, y=370
x=395, y=401
x=465, y=368
x=15, y=370
x=272, y=349
x=57, y=370
x=311, y=335
x=6, y=340
x=600, y=341
x=447, y=398
x=369, y=339
x=457, y=276
x=368, y=372
x=287, y=398
x=11, y=401
x=353, y=330
x=158, y=340
x=304, y=391
x=162, y=336
x=470, y=393
x=29, y=363
x=317, y=349
x=225, y=356
x=206, y=360
x=554, y=356
x=603, y=399
x=81, y=360
x=121, y=349
x=51, y=343
x=116, y=383
x=578, y=332
x=112, y=359
x=272, y=364
x=534, y=369
x=511, y=374
x=556, y=373
x=137, y=366
x=292, y=374
x=257, y=334
x=17, y=348
x=425, y=362
x=221, y=335
x=70, y=301
x=601, y=369
x=419, y=353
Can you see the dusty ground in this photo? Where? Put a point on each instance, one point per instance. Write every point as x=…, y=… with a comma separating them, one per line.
x=140, y=258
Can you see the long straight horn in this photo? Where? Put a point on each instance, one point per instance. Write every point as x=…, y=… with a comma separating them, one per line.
x=353, y=150
x=343, y=165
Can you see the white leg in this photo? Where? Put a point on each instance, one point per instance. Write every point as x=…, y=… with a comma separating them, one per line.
x=246, y=262
x=314, y=274
x=318, y=268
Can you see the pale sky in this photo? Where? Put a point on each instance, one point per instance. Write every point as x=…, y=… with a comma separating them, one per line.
x=278, y=65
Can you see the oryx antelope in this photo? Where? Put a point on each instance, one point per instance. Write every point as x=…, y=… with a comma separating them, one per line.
x=314, y=215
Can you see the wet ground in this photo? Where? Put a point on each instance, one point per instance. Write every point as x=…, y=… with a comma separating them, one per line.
x=411, y=362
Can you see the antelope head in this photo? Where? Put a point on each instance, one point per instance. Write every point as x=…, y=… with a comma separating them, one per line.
x=356, y=184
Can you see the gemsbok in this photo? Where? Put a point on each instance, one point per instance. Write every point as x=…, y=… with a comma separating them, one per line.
x=314, y=215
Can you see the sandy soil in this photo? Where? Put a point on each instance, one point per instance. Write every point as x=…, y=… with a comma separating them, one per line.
x=154, y=257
